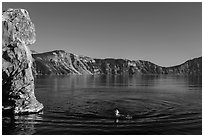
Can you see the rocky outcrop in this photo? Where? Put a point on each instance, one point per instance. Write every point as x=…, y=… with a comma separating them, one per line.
x=62, y=63
x=17, y=79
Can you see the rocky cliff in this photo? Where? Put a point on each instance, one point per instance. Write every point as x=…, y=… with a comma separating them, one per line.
x=17, y=80
x=61, y=63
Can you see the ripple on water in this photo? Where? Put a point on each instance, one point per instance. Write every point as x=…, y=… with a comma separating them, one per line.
x=160, y=105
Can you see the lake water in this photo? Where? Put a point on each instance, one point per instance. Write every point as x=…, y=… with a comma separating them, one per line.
x=85, y=105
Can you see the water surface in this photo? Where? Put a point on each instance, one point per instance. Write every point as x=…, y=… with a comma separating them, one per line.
x=85, y=105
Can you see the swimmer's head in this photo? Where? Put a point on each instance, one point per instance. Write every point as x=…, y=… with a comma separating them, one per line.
x=117, y=111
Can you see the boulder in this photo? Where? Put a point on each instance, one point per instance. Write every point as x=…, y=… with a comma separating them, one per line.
x=17, y=79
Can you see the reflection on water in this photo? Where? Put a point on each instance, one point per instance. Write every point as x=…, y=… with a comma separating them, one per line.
x=21, y=125
x=158, y=104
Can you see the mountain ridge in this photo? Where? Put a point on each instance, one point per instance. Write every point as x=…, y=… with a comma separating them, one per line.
x=61, y=62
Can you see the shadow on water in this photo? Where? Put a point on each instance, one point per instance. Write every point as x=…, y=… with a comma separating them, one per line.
x=20, y=124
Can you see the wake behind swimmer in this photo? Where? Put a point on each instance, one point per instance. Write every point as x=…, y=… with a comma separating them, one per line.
x=118, y=115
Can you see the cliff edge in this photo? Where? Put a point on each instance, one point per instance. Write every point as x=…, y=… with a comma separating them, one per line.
x=60, y=62
x=17, y=79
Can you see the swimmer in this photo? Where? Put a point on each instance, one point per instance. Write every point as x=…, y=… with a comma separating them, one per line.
x=117, y=113
x=120, y=116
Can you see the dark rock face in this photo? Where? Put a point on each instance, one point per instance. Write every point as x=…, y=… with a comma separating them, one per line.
x=17, y=80
x=60, y=62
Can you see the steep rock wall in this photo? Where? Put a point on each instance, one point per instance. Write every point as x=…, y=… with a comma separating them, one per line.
x=17, y=79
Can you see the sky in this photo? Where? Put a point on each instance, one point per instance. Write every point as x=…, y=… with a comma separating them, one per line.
x=166, y=34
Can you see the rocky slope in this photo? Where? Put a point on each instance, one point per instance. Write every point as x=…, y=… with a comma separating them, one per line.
x=17, y=80
x=61, y=63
